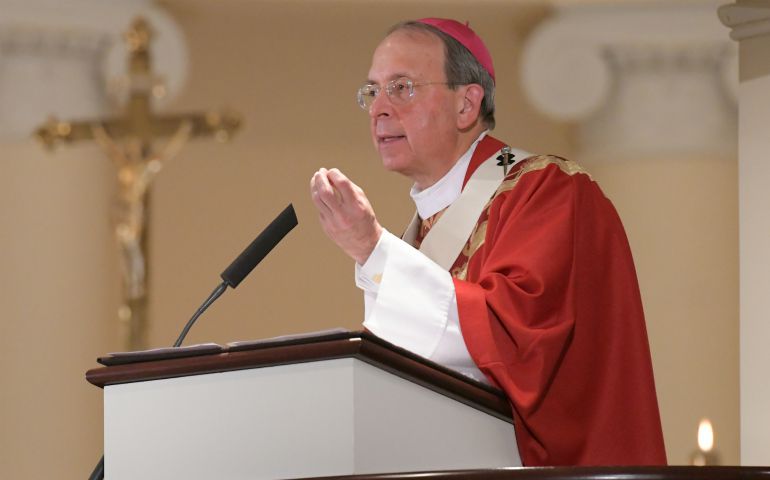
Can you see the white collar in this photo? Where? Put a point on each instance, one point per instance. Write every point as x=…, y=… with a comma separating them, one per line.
x=444, y=192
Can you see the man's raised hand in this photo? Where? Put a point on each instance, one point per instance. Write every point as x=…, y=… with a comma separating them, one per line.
x=345, y=213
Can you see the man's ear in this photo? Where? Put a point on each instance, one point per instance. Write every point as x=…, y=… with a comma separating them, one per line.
x=468, y=105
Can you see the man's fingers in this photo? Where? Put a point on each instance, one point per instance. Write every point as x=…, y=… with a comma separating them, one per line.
x=345, y=214
x=322, y=216
x=320, y=205
x=346, y=188
x=319, y=192
x=324, y=191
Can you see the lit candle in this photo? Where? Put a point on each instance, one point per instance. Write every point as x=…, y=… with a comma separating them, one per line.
x=705, y=455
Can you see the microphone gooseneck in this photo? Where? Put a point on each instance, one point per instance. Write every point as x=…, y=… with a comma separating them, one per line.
x=214, y=295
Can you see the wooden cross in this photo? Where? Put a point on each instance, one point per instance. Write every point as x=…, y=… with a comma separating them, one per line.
x=130, y=142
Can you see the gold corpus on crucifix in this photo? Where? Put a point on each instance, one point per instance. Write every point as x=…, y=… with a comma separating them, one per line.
x=130, y=141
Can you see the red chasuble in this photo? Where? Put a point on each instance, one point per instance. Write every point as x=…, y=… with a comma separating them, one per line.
x=551, y=313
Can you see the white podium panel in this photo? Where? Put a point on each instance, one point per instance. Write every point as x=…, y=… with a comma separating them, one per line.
x=329, y=417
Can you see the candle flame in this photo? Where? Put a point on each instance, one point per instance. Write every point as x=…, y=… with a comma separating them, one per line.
x=705, y=435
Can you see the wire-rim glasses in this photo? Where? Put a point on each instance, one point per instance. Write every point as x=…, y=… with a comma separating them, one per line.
x=399, y=91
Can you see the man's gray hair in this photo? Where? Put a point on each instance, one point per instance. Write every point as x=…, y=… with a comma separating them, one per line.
x=461, y=68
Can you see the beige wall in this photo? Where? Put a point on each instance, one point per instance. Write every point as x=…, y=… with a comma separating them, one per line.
x=58, y=291
x=291, y=68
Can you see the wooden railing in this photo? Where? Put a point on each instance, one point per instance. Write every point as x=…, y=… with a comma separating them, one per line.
x=579, y=473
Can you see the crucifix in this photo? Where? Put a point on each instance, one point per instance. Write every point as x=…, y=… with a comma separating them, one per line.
x=132, y=142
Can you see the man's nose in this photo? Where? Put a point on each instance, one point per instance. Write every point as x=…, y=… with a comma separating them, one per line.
x=381, y=105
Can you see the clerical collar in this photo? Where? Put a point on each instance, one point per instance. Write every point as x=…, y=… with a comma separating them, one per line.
x=444, y=192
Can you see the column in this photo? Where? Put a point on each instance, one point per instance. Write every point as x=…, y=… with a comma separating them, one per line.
x=750, y=24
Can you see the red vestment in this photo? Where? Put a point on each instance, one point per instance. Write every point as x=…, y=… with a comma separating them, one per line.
x=550, y=311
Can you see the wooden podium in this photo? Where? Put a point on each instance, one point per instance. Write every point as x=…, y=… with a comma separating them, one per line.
x=336, y=403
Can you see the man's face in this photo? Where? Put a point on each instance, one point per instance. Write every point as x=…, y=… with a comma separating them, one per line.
x=418, y=138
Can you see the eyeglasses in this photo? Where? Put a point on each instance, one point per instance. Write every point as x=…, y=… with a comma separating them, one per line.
x=399, y=91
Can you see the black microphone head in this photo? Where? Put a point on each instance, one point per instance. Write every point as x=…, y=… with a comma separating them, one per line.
x=260, y=247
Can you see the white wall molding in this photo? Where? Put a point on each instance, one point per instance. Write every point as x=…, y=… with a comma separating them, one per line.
x=29, y=40
x=639, y=79
x=746, y=19
x=56, y=58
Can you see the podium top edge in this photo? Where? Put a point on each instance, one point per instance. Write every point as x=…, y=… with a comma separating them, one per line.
x=328, y=345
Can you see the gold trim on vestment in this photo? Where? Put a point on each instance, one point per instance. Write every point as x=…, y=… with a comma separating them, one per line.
x=535, y=163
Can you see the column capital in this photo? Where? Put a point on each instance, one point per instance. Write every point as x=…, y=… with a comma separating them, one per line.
x=642, y=78
x=747, y=19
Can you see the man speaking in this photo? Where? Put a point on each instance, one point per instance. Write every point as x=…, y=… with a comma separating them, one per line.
x=515, y=270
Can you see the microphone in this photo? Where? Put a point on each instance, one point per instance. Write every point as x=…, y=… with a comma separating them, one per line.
x=260, y=247
x=233, y=276
x=246, y=261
